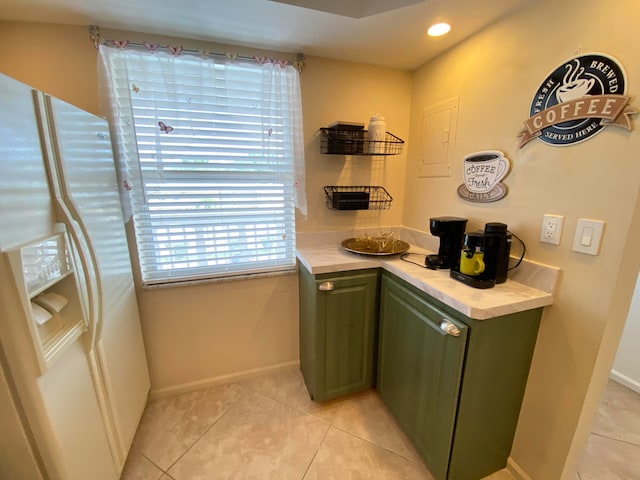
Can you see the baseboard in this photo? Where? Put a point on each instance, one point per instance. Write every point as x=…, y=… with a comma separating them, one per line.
x=221, y=380
x=516, y=471
x=624, y=380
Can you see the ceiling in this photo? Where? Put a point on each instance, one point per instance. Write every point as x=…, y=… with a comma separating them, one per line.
x=394, y=38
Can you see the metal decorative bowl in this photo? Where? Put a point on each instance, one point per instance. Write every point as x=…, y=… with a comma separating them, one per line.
x=383, y=244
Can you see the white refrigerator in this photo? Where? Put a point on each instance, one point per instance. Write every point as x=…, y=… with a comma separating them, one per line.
x=73, y=372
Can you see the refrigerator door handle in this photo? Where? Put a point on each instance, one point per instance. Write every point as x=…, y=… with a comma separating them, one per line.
x=94, y=285
x=71, y=217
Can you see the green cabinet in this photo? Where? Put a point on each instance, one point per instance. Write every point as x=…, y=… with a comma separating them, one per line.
x=457, y=397
x=420, y=369
x=454, y=384
x=338, y=319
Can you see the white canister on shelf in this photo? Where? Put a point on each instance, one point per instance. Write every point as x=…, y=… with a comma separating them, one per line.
x=377, y=132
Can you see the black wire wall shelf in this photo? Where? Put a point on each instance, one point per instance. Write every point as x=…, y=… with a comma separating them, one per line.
x=356, y=142
x=360, y=197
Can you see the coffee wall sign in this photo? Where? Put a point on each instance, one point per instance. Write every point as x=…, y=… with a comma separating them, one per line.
x=482, y=172
x=577, y=101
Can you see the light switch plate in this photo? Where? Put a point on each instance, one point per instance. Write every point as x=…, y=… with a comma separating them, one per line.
x=588, y=236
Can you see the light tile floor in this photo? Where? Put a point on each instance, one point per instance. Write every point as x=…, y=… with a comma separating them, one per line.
x=268, y=428
x=613, y=447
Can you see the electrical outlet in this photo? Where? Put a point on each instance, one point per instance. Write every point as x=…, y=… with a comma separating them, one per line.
x=551, y=230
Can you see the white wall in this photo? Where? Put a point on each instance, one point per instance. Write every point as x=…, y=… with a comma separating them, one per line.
x=626, y=366
x=200, y=333
x=496, y=73
x=345, y=91
x=196, y=333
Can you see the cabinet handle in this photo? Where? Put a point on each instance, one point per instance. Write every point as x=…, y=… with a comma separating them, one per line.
x=449, y=328
x=326, y=286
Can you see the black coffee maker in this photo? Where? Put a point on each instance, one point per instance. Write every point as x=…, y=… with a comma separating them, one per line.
x=497, y=248
x=451, y=232
x=495, y=244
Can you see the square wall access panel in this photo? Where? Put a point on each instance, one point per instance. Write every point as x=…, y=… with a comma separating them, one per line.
x=439, y=123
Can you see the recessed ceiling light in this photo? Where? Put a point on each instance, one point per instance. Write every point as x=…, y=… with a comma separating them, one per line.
x=438, y=29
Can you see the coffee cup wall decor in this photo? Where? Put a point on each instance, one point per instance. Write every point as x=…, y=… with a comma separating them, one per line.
x=482, y=172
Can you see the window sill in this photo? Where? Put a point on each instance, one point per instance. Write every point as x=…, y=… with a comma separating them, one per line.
x=228, y=278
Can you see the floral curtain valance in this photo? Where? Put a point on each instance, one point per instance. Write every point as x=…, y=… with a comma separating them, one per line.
x=176, y=50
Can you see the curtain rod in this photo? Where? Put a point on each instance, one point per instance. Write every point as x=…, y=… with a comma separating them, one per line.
x=96, y=37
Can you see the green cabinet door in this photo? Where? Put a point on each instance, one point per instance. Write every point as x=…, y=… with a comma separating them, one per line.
x=499, y=352
x=419, y=369
x=338, y=319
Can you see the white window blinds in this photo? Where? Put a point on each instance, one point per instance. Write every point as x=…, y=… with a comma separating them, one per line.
x=210, y=157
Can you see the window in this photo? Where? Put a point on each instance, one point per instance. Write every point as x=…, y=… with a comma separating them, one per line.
x=210, y=155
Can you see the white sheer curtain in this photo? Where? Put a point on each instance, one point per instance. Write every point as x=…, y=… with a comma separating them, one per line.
x=208, y=141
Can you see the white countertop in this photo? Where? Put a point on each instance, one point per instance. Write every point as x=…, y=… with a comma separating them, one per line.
x=530, y=286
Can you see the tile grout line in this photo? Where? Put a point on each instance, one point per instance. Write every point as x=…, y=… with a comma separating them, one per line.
x=293, y=407
x=378, y=445
x=153, y=463
x=316, y=453
x=626, y=442
x=251, y=390
x=200, y=437
x=299, y=410
x=331, y=424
